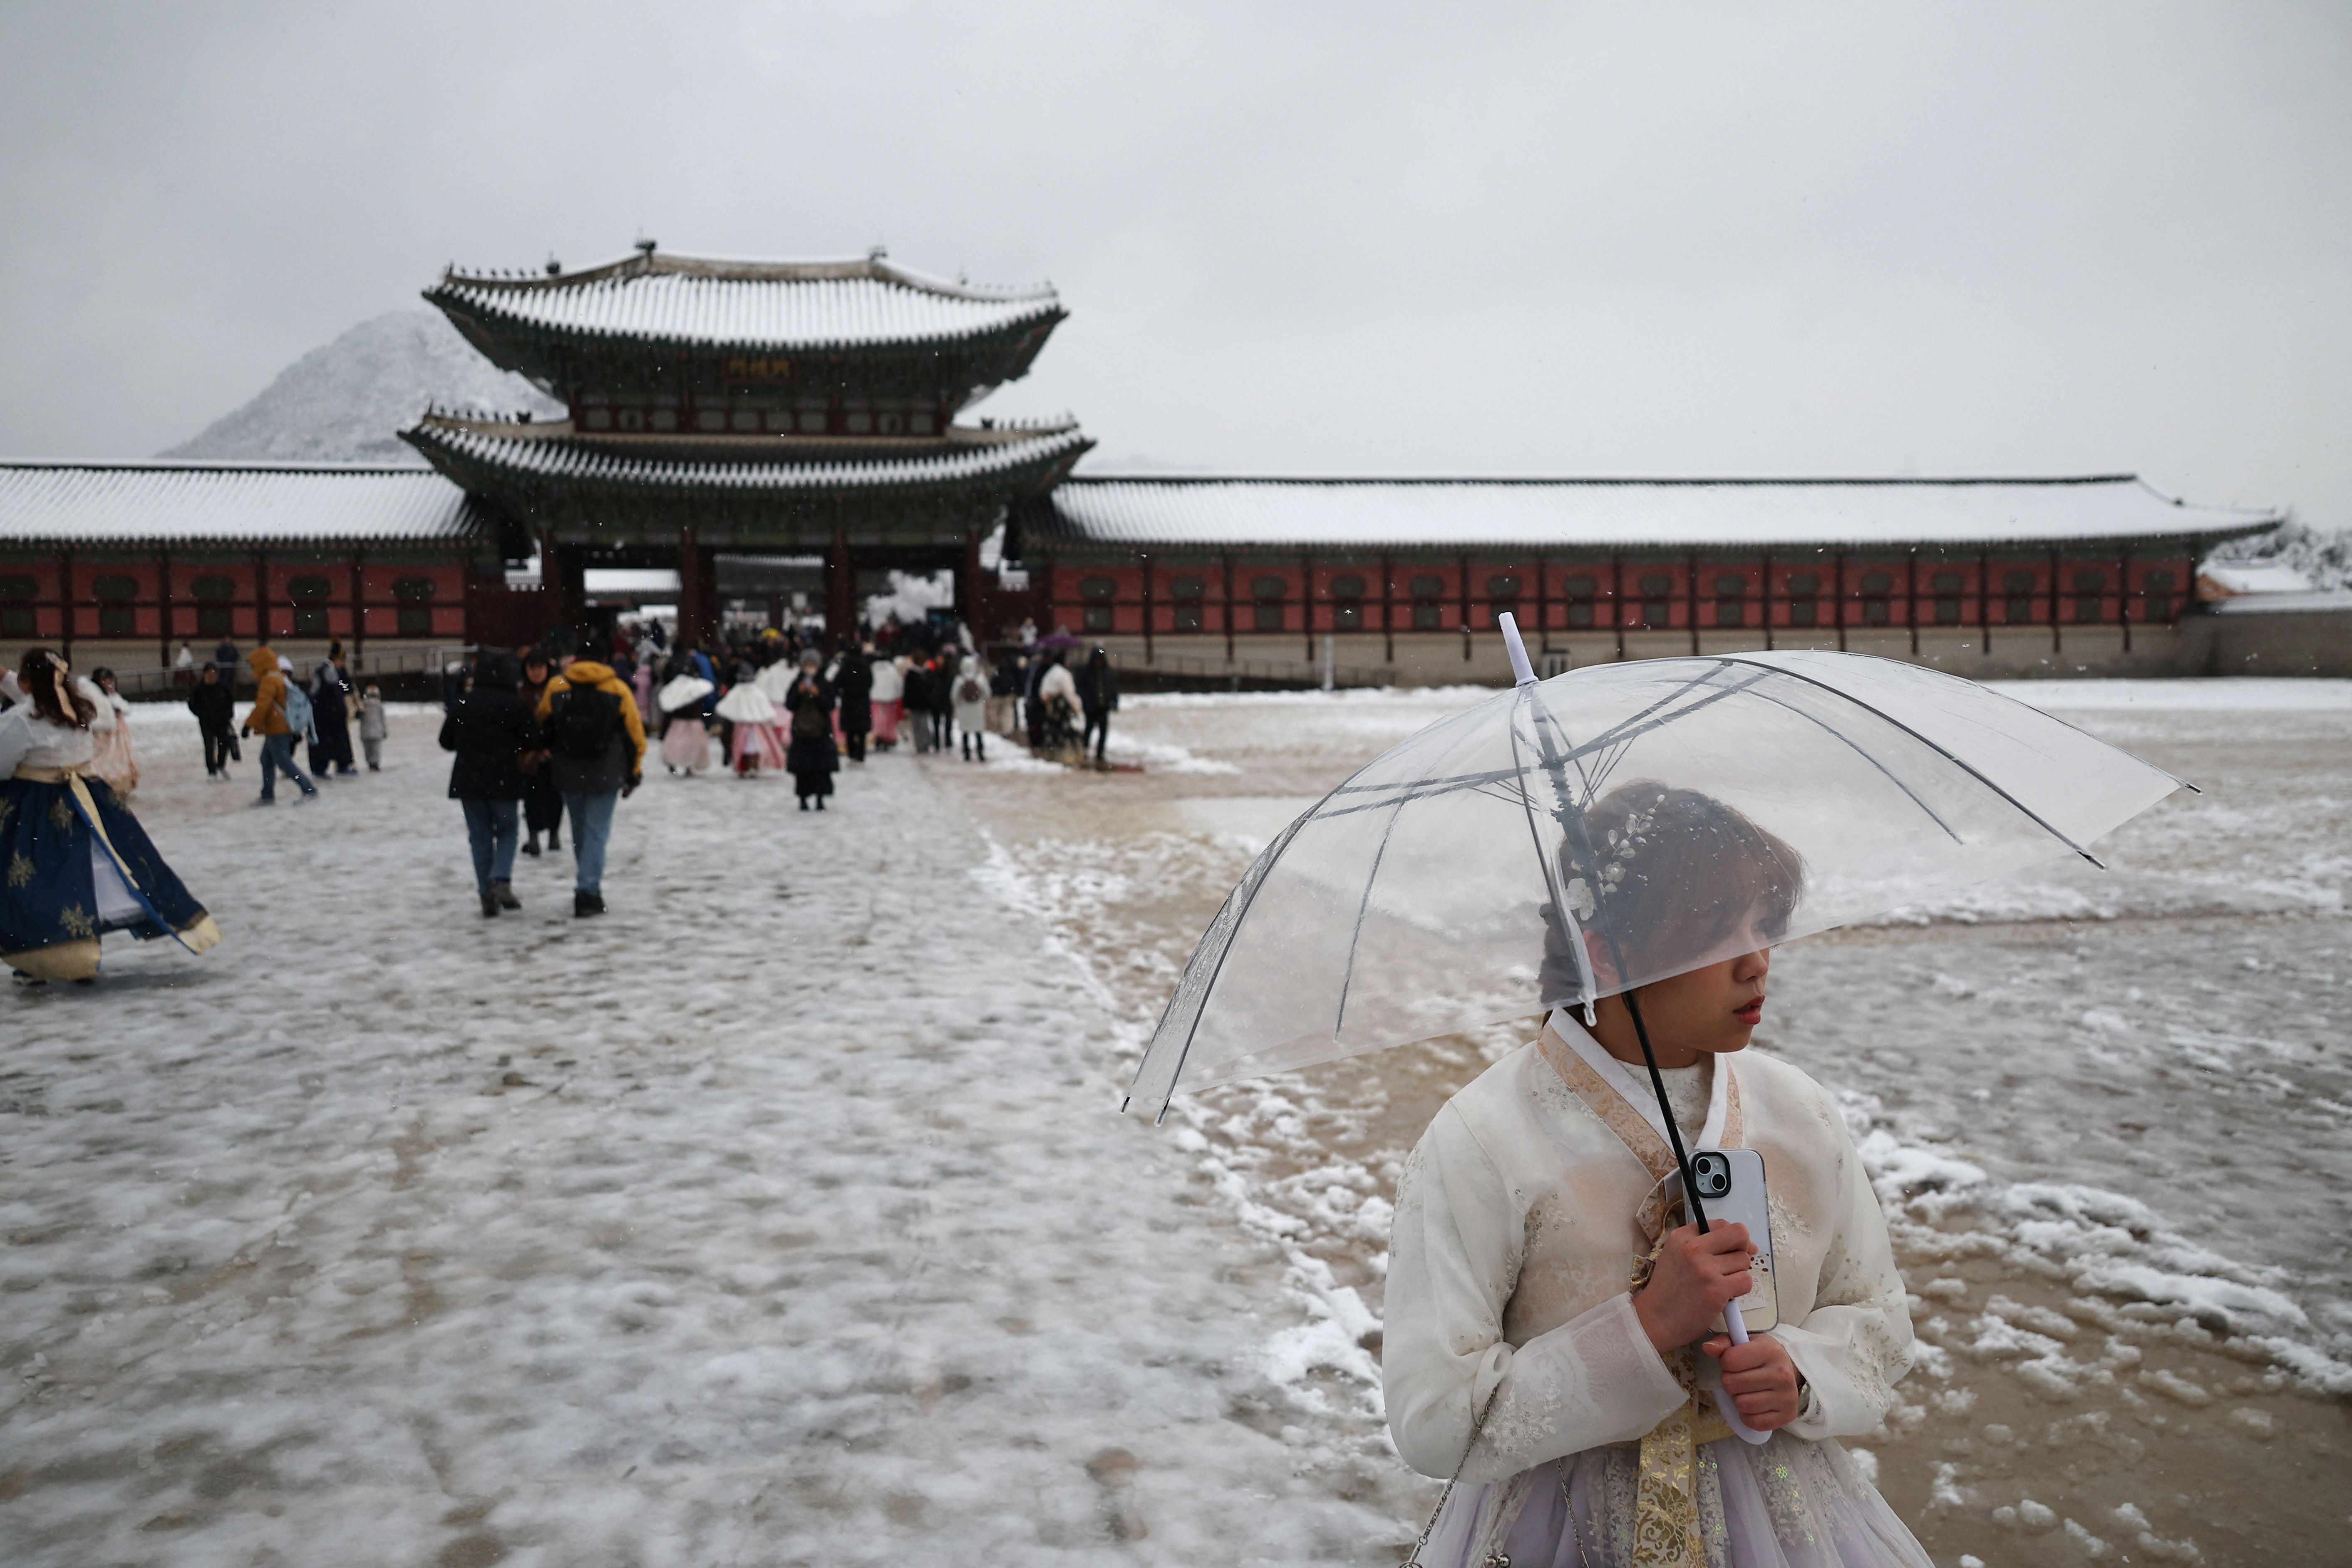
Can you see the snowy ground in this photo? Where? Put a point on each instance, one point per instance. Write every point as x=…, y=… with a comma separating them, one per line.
x=779, y=1218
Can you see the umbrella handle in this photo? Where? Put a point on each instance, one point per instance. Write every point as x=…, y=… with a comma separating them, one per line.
x=1737, y=1327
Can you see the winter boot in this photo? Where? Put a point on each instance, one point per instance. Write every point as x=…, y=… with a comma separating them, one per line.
x=504, y=893
x=490, y=906
x=531, y=845
x=555, y=841
x=586, y=904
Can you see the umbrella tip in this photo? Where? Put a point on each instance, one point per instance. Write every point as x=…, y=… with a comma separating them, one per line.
x=1522, y=672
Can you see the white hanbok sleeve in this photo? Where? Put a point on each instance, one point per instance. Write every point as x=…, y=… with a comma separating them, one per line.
x=15, y=737
x=1856, y=1344
x=1454, y=1264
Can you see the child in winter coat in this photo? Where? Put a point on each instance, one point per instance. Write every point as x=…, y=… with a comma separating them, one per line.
x=373, y=728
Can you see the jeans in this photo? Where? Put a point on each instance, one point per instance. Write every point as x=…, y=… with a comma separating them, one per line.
x=1098, y=733
x=278, y=757
x=490, y=829
x=592, y=824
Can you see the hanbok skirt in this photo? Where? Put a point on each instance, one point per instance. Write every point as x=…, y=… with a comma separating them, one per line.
x=813, y=761
x=685, y=743
x=112, y=761
x=885, y=721
x=1784, y=1503
x=62, y=888
x=763, y=741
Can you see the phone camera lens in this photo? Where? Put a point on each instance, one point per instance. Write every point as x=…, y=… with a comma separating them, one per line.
x=1713, y=1173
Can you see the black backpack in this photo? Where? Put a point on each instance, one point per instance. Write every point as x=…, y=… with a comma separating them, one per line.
x=581, y=722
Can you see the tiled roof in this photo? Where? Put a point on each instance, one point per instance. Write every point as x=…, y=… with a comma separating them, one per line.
x=600, y=464
x=798, y=306
x=229, y=503
x=1631, y=514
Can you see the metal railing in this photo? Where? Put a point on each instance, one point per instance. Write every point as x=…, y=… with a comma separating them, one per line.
x=163, y=683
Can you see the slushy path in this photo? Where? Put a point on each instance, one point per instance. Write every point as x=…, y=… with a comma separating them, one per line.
x=780, y=1217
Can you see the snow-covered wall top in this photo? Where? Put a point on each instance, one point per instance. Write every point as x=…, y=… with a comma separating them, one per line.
x=182, y=503
x=1568, y=514
x=754, y=305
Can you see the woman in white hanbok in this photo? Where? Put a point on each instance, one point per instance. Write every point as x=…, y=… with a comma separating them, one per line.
x=1548, y=1343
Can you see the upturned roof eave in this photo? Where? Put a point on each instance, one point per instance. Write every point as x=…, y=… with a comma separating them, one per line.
x=488, y=323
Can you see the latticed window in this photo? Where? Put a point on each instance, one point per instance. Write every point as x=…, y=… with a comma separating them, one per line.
x=16, y=595
x=309, y=595
x=1804, y=599
x=414, y=617
x=1097, y=613
x=1580, y=591
x=2017, y=603
x=212, y=592
x=1347, y=603
x=2090, y=588
x=1730, y=599
x=2156, y=587
x=114, y=592
x=1269, y=593
x=1875, y=587
x=1657, y=599
x=1949, y=586
x=1188, y=592
x=1427, y=590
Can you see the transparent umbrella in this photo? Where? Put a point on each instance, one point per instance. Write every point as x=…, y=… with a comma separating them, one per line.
x=1562, y=841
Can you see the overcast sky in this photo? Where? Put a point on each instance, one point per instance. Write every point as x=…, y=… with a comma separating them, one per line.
x=1661, y=238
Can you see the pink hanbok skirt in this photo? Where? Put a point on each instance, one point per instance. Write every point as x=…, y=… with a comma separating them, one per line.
x=885, y=720
x=765, y=742
x=686, y=744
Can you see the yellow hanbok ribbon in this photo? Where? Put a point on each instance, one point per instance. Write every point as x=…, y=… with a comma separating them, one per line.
x=1665, y=1494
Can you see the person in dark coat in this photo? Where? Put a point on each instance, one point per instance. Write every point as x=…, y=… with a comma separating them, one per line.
x=214, y=703
x=1097, y=699
x=811, y=755
x=542, y=803
x=488, y=727
x=853, y=686
x=330, y=714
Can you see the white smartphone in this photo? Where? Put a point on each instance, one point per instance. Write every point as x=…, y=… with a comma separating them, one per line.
x=1731, y=1189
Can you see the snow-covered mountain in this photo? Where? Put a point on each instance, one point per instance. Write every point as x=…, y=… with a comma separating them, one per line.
x=343, y=403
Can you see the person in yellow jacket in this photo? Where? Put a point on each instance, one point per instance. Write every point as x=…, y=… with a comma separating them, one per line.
x=596, y=754
x=266, y=719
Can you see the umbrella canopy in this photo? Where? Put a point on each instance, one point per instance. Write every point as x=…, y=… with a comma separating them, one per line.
x=683, y=692
x=1579, y=836
x=1056, y=640
x=747, y=704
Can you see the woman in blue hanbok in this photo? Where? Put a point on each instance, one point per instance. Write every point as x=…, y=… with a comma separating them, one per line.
x=74, y=862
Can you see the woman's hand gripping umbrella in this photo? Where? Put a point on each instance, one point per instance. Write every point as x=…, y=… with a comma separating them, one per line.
x=1592, y=835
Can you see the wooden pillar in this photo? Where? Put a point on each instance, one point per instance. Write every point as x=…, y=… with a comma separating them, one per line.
x=1766, y=610
x=1617, y=599
x=1465, y=596
x=841, y=589
x=2123, y=593
x=2057, y=633
x=1543, y=606
x=260, y=597
x=1306, y=600
x=1144, y=559
x=1911, y=593
x=1984, y=599
x=1228, y=559
x=1837, y=567
x=1690, y=595
x=164, y=605
x=359, y=605
x=65, y=604
x=1388, y=609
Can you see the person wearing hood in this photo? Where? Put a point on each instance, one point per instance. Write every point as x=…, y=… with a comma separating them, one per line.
x=1097, y=699
x=971, y=709
x=79, y=864
x=811, y=757
x=268, y=718
x=597, y=748
x=372, y=727
x=330, y=730
x=215, y=707
x=489, y=730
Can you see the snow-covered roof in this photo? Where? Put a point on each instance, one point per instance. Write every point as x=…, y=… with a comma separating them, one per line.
x=762, y=305
x=604, y=463
x=229, y=503
x=1625, y=513
x=2229, y=578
